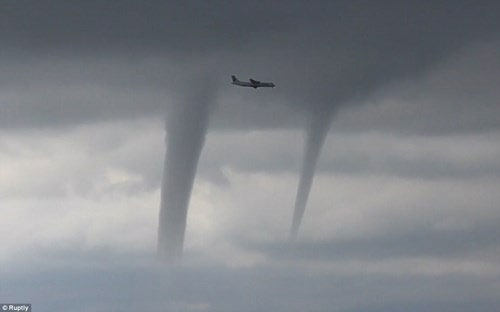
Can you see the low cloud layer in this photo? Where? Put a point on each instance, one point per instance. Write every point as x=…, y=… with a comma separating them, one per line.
x=409, y=231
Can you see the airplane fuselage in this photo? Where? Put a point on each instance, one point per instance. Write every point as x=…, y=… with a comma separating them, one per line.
x=252, y=83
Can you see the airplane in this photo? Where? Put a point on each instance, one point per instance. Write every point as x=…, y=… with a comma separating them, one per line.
x=253, y=83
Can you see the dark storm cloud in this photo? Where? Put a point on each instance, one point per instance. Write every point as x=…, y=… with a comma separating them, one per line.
x=321, y=55
x=97, y=26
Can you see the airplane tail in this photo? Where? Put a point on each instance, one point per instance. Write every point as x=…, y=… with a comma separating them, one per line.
x=234, y=78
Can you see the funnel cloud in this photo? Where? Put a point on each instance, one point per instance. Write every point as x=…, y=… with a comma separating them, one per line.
x=187, y=123
x=317, y=130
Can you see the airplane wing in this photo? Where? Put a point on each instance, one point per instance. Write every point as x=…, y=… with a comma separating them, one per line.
x=254, y=81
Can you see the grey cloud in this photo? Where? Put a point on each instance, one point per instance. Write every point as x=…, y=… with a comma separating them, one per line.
x=320, y=55
x=459, y=157
x=475, y=242
x=457, y=96
x=65, y=64
x=129, y=285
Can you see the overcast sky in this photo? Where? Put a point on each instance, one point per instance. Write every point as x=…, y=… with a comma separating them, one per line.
x=404, y=210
